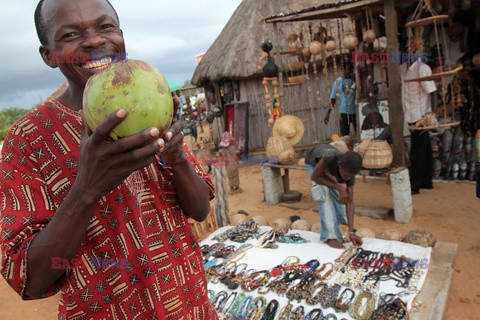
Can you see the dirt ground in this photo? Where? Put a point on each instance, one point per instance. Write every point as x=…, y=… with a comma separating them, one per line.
x=450, y=211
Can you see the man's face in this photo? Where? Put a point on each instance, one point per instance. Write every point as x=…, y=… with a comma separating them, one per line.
x=344, y=173
x=88, y=29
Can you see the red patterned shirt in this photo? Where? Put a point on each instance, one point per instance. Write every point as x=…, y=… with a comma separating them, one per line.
x=139, y=258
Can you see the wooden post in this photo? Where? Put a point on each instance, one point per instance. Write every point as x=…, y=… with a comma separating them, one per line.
x=394, y=85
x=221, y=195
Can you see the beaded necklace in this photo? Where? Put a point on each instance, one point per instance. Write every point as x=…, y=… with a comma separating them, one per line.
x=223, y=307
x=343, y=302
x=313, y=299
x=330, y=316
x=220, y=299
x=271, y=310
x=297, y=314
x=233, y=310
x=363, y=306
x=330, y=296
x=315, y=314
x=257, y=308
x=242, y=312
x=285, y=312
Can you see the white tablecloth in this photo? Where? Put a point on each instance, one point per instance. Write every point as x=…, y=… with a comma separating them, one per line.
x=266, y=258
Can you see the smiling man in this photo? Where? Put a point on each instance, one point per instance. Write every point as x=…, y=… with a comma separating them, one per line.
x=71, y=197
x=329, y=169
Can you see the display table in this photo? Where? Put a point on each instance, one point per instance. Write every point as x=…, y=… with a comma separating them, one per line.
x=267, y=258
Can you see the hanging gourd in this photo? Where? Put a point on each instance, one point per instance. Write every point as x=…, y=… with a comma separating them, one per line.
x=350, y=41
x=331, y=45
x=369, y=35
x=292, y=44
x=270, y=72
x=316, y=47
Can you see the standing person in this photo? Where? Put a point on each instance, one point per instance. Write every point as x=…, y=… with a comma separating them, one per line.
x=344, y=88
x=228, y=157
x=418, y=98
x=103, y=222
x=180, y=107
x=329, y=169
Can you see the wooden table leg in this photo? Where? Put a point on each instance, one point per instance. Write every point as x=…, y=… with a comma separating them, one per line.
x=286, y=181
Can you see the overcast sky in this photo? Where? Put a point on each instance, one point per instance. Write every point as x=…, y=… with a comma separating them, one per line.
x=166, y=33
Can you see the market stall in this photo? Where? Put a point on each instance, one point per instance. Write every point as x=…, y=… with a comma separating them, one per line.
x=256, y=273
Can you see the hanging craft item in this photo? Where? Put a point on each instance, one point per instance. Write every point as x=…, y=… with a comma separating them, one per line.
x=350, y=41
x=292, y=44
x=369, y=34
x=415, y=43
x=270, y=72
x=290, y=127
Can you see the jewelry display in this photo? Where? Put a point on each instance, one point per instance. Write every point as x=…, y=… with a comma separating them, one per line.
x=310, y=287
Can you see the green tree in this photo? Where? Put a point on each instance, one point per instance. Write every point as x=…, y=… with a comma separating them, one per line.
x=8, y=117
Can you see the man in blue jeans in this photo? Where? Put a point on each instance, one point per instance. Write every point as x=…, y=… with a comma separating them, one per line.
x=329, y=169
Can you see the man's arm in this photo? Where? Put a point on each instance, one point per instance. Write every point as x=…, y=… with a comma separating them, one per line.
x=350, y=210
x=102, y=166
x=320, y=176
x=192, y=190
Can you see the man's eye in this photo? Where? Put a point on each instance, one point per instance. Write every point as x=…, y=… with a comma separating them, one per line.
x=107, y=26
x=69, y=35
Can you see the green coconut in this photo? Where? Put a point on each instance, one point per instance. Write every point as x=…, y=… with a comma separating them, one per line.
x=135, y=86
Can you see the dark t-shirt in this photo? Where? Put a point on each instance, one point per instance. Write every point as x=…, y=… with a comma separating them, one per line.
x=330, y=156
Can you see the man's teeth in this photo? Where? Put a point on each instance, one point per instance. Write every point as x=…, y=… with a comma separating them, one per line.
x=98, y=64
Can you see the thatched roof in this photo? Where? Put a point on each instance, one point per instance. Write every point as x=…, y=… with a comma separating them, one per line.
x=58, y=92
x=236, y=51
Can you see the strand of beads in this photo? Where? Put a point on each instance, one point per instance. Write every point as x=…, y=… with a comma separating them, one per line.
x=298, y=313
x=257, y=308
x=363, y=306
x=285, y=312
x=343, y=302
x=271, y=310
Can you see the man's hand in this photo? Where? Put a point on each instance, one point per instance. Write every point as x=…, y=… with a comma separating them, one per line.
x=171, y=144
x=342, y=195
x=356, y=240
x=327, y=118
x=104, y=164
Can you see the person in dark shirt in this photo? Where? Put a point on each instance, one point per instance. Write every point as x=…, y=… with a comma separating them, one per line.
x=329, y=169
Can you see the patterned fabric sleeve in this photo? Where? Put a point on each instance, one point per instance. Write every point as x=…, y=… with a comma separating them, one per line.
x=198, y=169
x=25, y=210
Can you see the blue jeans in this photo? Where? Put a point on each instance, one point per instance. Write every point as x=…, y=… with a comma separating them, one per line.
x=332, y=211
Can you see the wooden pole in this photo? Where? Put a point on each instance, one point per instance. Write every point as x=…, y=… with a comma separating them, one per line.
x=221, y=195
x=394, y=85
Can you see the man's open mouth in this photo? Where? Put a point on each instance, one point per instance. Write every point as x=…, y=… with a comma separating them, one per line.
x=98, y=64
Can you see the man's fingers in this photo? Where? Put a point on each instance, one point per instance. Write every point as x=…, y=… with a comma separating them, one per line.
x=174, y=130
x=103, y=130
x=139, y=139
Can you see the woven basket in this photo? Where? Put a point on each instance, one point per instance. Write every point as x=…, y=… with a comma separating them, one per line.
x=378, y=155
x=363, y=146
x=281, y=148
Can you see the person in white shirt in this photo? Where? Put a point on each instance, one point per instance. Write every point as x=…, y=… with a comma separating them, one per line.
x=418, y=98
